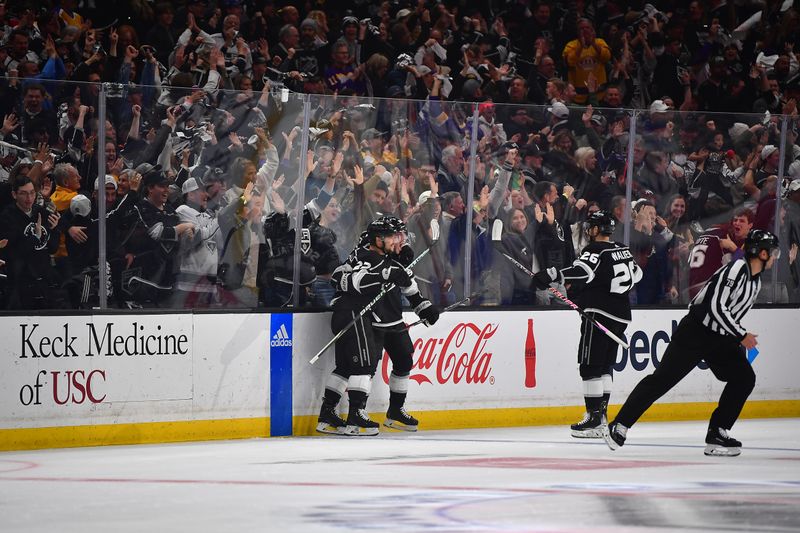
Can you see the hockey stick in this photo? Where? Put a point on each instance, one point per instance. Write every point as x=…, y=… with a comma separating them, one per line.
x=600, y=326
x=497, y=231
x=386, y=288
x=449, y=307
x=149, y=283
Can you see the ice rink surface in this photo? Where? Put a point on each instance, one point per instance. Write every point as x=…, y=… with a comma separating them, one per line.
x=510, y=480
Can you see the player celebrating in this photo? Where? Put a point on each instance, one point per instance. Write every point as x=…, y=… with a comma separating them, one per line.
x=372, y=264
x=602, y=276
x=392, y=334
x=711, y=331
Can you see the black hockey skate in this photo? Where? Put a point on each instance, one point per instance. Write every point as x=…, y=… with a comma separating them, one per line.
x=591, y=427
x=719, y=443
x=604, y=413
x=400, y=419
x=359, y=424
x=329, y=422
x=614, y=435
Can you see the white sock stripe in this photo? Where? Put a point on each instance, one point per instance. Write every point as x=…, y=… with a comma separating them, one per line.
x=360, y=382
x=608, y=381
x=336, y=383
x=398, y=383
x=593, y=388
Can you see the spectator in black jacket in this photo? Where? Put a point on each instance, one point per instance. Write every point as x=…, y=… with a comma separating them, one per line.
x=517, y=241
x=669, y=70
x=154, y=242
x=163, y=35
x=34, y=115
x=552, y=244
x=32, y=235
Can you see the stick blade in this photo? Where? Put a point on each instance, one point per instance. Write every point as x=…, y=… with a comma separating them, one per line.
x=497, y=230
x=434, y=230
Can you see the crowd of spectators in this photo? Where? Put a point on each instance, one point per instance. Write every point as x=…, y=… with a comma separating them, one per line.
x=534, y=113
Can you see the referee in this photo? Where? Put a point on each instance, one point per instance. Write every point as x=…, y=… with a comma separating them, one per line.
x=711, y=331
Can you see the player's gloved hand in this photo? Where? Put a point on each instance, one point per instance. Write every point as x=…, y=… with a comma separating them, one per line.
x=398, y=275
x=406, y=255
x=543, y=278
x=428, y=312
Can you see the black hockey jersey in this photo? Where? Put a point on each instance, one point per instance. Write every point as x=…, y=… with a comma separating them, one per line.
x=362, y=277
x=602, y=277
x=392, y=310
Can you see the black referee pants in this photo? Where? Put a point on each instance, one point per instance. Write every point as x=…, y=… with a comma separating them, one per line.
x=692, y=343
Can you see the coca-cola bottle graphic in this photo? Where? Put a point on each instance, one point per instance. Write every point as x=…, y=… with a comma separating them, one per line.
x=530, y=357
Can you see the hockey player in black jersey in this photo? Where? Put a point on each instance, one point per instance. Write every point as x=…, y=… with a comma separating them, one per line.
x=393, y=335
x=711, y=331
x=371, y=265
x=601, y=277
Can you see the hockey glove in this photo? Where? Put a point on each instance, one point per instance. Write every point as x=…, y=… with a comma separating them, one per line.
x=398, y=275
x=543, y=278
x=428, y=312
x=406, y=255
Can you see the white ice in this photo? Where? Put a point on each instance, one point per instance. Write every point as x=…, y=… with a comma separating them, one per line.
x=510, y=480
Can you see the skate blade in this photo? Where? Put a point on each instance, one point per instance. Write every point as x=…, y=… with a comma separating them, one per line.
x=358, y=431
x=612, y=444
x=324, y=427
x=594, y=433
x=715, y=450
x=394, y=424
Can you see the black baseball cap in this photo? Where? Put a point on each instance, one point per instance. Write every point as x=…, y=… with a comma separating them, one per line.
x=155, y=177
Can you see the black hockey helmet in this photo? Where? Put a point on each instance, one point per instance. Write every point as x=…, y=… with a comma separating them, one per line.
x=759, y=239
x=398, y=225
x=603, y=220
x=385, y=225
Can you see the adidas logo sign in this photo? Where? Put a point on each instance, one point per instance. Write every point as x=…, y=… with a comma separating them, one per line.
x=281, y=338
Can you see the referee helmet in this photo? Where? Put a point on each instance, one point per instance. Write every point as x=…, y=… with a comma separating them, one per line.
x=759, y=239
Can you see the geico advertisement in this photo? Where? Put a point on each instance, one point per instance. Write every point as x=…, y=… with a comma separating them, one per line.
x=52, y=363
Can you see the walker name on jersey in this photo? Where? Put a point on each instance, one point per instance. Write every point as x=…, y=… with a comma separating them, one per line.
x=460, y=356
x=281, y=338
x=621, y=255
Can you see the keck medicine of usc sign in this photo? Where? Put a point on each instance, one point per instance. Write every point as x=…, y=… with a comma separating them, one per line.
x=77, y=362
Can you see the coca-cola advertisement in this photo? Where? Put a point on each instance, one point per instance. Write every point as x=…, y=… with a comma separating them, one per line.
x=495, y=364
x=461, y=355
x=530, y=357
x=468, y=360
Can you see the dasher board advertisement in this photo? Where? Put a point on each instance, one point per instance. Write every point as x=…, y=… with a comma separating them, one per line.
x=63, y=369
x=503, y=359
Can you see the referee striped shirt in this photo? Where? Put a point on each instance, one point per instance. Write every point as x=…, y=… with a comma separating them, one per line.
x=725, y=299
